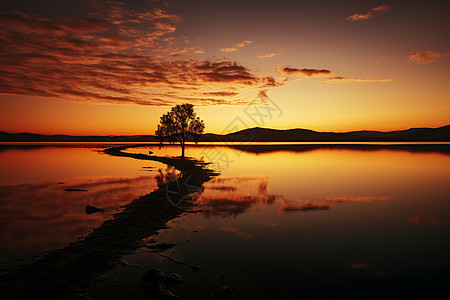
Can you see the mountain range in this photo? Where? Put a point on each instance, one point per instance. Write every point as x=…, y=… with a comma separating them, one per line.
x=257, y=134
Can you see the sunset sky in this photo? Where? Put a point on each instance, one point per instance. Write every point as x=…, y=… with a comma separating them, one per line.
x=114, y=67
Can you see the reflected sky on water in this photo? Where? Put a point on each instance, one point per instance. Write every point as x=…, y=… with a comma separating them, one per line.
x=322, y=222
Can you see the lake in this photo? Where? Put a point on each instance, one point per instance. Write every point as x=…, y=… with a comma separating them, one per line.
x=305, y=221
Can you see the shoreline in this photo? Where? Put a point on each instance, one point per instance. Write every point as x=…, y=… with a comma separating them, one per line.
x=66, y=272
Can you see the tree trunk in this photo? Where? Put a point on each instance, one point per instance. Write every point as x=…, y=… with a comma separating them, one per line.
x=182, y=150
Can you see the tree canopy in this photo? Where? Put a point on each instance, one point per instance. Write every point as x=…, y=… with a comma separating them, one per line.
x=178, y=125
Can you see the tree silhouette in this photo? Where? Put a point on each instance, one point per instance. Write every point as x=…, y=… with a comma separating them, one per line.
x=177, y=125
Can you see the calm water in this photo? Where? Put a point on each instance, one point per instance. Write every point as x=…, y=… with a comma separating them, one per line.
x=305, y=222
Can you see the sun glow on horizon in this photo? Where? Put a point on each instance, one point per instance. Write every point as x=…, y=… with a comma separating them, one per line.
x=115, y=68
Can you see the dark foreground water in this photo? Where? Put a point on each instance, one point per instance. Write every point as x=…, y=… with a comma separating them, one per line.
x=307, y=222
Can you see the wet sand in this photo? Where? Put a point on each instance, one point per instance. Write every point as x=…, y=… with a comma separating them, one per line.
x=65, y=273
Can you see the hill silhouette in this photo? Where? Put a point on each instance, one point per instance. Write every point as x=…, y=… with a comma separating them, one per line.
x=257, y=134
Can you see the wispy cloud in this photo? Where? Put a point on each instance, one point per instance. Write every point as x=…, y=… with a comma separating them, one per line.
x=339, y=79
x=426, y=57
x=269, y=55
x=305, y=72
x=373, y=12
x=385, y=59
x=236, y=47
x=114, y=54
x=223, y=94
x=323, y=73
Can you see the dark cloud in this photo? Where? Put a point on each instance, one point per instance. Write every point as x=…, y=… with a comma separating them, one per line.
x=305, y=72
x=111, y=54
x=223, y=94
x=340, y=79
x=269, y=81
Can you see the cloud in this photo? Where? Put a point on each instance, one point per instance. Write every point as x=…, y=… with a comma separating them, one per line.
x=113, y=54
x=269, y=55
x=305, y=72
x=373, y=12
x=385, y=59
x=222, y=94
x=236, y=47
x=426, y=57
x=269, y=81
x=228, y=50
x=243, y=43
x=339, y=79
x=324, y=72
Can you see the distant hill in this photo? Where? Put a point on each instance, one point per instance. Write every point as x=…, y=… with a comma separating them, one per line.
x=257, y=134
x=31, y=137
x=441, y=134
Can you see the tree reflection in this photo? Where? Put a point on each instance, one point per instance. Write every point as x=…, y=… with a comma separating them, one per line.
x=165, y=176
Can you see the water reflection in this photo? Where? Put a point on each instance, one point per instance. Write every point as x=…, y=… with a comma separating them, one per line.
x=232, y=196
x=330, y=222
x=43, y=216
x=241, y=193
x=426, y=220
x=305, y=206
x=167, y=175
x=404, y=147
x=326, y=223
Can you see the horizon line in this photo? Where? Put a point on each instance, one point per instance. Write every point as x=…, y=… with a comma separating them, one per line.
x=117, y=135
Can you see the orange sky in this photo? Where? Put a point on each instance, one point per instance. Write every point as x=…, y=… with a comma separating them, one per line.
x=101, y=67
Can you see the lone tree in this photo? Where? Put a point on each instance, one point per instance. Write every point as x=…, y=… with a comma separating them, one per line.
x=179, y=124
